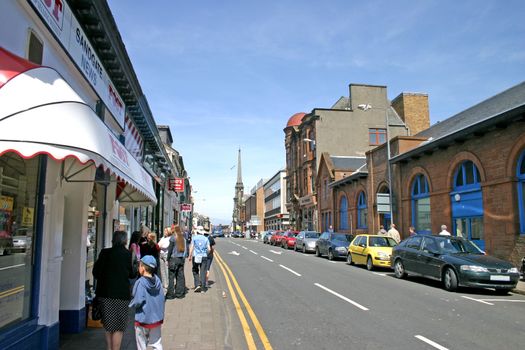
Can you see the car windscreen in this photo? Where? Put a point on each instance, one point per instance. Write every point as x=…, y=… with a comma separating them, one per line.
x=382, y=242
x=342, y=237
x=311, y=235
x=457, y=246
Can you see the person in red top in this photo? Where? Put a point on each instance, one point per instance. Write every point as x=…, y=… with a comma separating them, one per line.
x=150, y=247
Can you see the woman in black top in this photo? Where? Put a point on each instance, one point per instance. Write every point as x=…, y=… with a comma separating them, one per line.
x=112, y=270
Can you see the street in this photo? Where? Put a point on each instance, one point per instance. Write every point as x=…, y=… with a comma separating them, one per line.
x=306, y=302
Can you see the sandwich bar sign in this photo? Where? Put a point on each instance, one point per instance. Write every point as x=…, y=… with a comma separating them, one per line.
x=185, y=207
x=176, y=184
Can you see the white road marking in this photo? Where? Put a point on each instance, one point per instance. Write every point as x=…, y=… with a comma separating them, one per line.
x=243, y=247
x=507, y=300
x=478, y=300
x=289, y=269
x=270, y=260
x=379, y=274
x=333, y=262
x=233, y=252
x=278, y=253
x=342, y=297
x=11, y=267
x=251, y=251
x=430, y=342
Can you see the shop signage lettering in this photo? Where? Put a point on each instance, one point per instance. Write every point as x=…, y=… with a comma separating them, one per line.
x=118, y=150
x=185, y=207
x=176, y=184
x=63, y=24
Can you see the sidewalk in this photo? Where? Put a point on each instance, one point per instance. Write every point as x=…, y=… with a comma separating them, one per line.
x=199, y=321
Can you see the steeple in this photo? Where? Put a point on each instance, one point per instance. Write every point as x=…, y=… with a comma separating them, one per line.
x=239, y=169
x=239, y=193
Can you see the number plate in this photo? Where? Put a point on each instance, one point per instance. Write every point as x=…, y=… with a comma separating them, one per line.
x=499, y=278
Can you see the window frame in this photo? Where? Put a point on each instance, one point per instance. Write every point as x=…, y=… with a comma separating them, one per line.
x=521, y=185
x=462, y=169
x=361, y=206
x=420, y=190
x=343, y=214
x=376, y=133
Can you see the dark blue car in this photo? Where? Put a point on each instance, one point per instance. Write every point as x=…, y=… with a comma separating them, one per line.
x=333, y=244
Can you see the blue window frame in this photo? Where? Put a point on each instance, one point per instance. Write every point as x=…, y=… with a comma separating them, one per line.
x=421, y=218
x=467, y=177
x=343, y=213
x=361, y=211
x=520, y=173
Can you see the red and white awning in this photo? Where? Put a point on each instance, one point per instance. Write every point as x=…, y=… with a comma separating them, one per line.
x=41, y=114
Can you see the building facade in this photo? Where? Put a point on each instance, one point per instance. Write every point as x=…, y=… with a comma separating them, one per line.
x=275, y=214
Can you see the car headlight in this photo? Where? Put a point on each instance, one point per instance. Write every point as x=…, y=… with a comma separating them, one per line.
x=341, y=249
x=514, y=270
x=383, y=255
x=474, y=268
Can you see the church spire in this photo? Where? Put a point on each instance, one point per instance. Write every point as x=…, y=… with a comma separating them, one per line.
x=239, y=169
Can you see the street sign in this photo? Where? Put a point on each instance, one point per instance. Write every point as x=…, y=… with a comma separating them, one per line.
x=383, y=203
x=176, y=184
x=185, y=207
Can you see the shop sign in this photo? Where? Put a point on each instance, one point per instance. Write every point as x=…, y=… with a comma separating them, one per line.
x=6, y=203
x=27, y=216
x=176, y=184
x=383, y=203
x=307, y=200
x=63, y=24
x=185, y=207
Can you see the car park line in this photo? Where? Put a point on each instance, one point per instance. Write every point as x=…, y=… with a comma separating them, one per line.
x=11, y=267
x=342, y=297
x=380, y=274
x=273, y=251
x=430, y=342
x=265, y=258
x=507, y=300
x=243, y=247
x=251, y=251
x=478, y=300
x=289, y=269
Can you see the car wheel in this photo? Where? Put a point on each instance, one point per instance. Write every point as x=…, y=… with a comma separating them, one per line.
x=317, y=252
x=450, y=280
x=349, y=260
x=399, y=269
x=369, y=264
x=304, y=249
x=502, y=291
x=330, y=254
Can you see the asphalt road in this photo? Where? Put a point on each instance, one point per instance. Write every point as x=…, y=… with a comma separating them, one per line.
x=305, y=302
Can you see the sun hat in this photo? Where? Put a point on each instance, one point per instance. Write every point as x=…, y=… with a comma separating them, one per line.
x=200, y=229
x=150, y=261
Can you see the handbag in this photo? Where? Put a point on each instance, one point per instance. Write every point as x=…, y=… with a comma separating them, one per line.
x=96, y=310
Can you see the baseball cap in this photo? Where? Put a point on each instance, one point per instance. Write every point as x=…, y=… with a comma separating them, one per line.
x=150, y=261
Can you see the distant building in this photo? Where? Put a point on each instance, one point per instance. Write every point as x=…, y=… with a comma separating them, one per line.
x=275, y=213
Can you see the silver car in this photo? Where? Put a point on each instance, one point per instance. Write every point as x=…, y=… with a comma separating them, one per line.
x=305, y=241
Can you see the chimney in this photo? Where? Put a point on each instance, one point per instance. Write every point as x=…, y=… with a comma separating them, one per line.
x=413, y=110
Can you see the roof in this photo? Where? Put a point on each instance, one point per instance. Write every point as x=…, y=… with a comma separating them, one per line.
x=342, y=162
x=295, y=120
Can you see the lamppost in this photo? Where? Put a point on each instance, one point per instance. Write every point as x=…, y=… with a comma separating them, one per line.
x=366, y=107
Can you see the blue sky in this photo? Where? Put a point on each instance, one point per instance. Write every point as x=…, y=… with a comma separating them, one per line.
x=229, y=74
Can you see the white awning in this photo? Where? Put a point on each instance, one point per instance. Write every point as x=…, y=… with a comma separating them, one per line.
x=41, y=114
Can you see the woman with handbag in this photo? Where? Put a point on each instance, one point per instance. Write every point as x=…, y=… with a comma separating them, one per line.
x=176, y=255
x=112, y=271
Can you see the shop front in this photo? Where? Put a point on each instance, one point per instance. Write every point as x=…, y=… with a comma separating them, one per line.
x=65, y=183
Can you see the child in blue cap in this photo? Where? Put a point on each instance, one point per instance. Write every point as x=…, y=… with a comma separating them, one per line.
x=148, y=302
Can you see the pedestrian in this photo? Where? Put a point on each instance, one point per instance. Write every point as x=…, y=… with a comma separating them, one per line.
x=148, y=304
x=200, y=246
x=444, y=231
x=382, y=230
x=412, y=231
x=394, y=233
x=151, y=247
x=112, y=272
x=176, y=256
x=187, y=237
x=209, y=258
x=163, y=254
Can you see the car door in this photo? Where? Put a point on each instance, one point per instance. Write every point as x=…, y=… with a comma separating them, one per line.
x=321, y=243
x=357, y=249
x=410, y=254
x=299, y=241
x=429, y=262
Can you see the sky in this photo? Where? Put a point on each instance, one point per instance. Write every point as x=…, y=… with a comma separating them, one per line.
x=229, y=74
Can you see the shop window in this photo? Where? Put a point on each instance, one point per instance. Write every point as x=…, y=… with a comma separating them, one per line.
x=18, y=195
x=521, y=191
x=421, y=205
x=35, y=50
x=361, y=211
x=377, y=136
x=343, y=213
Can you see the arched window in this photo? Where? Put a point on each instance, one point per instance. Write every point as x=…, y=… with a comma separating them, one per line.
x=343, y=213
x=520, y=172
x=421, y=205
x=467, y=204
x=361, y=211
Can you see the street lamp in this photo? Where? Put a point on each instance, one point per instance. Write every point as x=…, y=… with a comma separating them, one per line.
x=366, y=107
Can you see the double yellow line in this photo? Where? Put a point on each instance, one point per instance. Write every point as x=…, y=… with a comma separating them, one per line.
x=12, y=291
x=228, y=275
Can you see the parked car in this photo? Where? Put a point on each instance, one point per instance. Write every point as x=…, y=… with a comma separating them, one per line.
x=370, y=250
x=237, y=234
x=305, y=241
x=333, y=244
x=288, y=240
x=276, y=238
x=454, y=261
x=266, y=236
x=21, y=243
x=523, y=268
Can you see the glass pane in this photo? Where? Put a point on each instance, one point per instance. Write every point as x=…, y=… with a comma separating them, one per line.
x=415, y=190
x=372, y=138
x=18, y=189
x=424, y=187
x=459, y=177
x=476, y=227
x=382, y=138
x=522, y=167
x=461, y=228
x=478, y=177
x=469, y=173
x=422, y=207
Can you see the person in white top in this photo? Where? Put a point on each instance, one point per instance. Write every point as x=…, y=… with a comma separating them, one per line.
x=444, y=231
x=394, y=233
x=164, y=243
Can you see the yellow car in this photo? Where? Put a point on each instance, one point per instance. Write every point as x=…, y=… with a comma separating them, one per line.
x=370, y=250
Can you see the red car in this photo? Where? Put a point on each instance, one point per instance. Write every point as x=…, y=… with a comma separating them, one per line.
x=276, y=238
x=288, y=240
